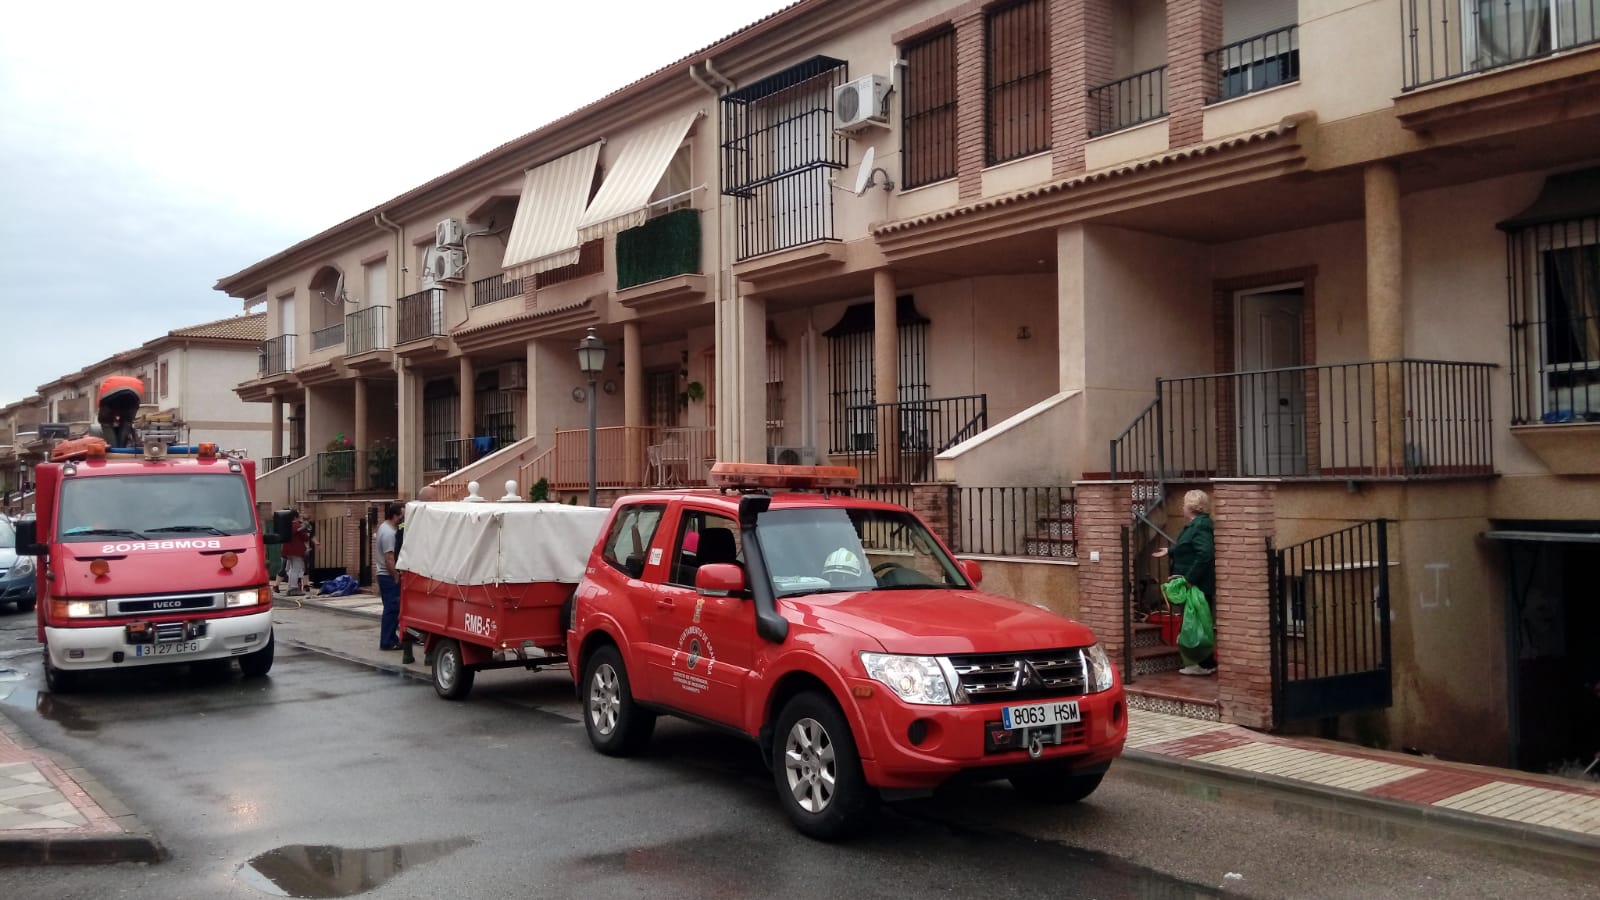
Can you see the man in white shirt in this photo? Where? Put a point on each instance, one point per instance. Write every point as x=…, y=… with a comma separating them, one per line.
x=384, y=551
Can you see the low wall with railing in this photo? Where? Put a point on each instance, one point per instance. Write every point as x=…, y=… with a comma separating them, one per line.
x=491, y=473
x=275, y=487
x=1010, y=452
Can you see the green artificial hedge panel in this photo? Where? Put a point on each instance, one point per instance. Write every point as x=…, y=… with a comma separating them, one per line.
x=660, y=248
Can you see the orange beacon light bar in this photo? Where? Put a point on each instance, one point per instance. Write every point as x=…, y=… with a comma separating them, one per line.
x=757, y=475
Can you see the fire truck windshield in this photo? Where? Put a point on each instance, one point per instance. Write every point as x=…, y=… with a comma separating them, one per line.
x=819, y=550
x=143, y=506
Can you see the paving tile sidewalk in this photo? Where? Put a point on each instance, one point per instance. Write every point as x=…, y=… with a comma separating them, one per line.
x=1514, y=803
x=51, y=811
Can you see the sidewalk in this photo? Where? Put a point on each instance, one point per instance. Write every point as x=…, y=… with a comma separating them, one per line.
x=51, y=811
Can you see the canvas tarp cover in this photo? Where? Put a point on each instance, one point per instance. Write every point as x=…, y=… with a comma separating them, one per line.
x=499, y=543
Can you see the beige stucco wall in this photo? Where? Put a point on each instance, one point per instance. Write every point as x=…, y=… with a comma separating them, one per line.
x=1048, y=585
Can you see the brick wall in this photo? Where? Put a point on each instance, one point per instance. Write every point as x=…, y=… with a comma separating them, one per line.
x=1193, y=27
x=1104, y=509
x=1080, y=58
x=1244, y=513
x=969, y=104
x=937, y=504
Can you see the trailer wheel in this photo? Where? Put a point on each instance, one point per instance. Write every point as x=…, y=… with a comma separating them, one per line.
x=452, y=679
x=616, y=725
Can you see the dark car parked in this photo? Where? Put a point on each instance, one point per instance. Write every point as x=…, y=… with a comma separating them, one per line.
x=16, y=572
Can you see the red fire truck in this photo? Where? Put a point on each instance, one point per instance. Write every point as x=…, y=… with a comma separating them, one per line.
x=148, y=555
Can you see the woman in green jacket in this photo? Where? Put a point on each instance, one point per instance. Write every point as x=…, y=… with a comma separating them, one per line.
x=1194, y=557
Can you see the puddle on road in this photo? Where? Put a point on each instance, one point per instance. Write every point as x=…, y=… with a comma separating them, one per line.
x=11, y=675
x=65, y=713
x=321, y=870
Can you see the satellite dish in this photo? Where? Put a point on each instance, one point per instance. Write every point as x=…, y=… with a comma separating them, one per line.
x=864, y=173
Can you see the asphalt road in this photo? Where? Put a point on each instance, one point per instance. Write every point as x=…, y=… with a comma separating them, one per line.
x=333, y=778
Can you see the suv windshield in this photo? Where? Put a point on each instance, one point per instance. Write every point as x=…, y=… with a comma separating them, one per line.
x=810, y=551
x=154, y=507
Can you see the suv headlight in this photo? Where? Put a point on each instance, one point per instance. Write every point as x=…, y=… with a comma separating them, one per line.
x=914, y=679
x=1097, y=670
x=23, y=566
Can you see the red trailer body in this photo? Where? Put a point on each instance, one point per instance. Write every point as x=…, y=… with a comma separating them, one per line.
x=489, y=585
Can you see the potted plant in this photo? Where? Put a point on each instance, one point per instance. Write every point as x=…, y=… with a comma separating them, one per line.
x=383, y=465
x=540, y=492
x=695, y=391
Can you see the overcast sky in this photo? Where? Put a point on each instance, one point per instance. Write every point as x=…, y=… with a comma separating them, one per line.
x=147, y=149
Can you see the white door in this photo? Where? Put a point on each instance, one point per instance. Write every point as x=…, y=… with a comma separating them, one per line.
x=287, y=326
x=1271, y=426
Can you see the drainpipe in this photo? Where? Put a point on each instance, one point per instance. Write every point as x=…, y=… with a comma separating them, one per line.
x=715, y=85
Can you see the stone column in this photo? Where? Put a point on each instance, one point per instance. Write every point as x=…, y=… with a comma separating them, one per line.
x=277, y=427
x=1385, y=314
x=466, y=426
x=886, y=374
x=1193, y=28
x=1245, y=516
x=408, y=450
x=633, y=399
x=750, y=371
x=1105, y=508
x=362, y=462
x=970, y=146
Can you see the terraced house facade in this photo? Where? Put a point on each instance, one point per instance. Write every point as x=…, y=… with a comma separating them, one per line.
x=1037, y=268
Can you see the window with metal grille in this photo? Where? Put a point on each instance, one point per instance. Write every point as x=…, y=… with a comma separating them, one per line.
x=777, y=150
x=661, y=397
x=928, y=110
x=1016, y=80
x=852, y=373
x=1555, y=321
x=774, y=391
x=441, y=413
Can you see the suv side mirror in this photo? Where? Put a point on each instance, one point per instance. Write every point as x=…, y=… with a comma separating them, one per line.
x=28, y=538
x=971, y=570
x=720, y=579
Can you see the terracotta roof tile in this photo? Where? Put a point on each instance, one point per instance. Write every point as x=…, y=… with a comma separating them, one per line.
x=252, y=328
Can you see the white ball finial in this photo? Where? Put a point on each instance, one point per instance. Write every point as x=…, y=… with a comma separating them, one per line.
x=511, y=492
x=472, y=493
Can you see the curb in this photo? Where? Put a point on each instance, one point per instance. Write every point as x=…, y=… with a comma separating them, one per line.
x=1537, y=836
x=136, y=843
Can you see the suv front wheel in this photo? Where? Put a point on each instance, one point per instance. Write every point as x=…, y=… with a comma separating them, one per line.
x=616, y=725
x=818, y=771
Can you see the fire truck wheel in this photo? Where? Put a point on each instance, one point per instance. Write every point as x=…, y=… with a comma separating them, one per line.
x=452, y=679
x=58, y=680
x=817, y=770
x=26, y=606
x=1056, y=786
x=616, y=725
x=259, y=663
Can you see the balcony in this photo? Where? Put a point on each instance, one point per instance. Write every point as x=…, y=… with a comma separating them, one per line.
x=276, y=356
x=355, y=470
x=1254, y=64
x=923, y=429
x=421, y=315
x=496, y=288
x=1446, y=39
x=366, y=330
x=1126, y=102
x=1388, y=420
x=329, y=336
x=660, y=248
x=591, y=261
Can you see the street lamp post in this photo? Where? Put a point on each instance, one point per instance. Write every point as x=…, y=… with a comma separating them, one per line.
x=591, y=361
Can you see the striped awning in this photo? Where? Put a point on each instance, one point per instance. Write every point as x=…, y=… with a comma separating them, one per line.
x=624, y=198
x=544, y=235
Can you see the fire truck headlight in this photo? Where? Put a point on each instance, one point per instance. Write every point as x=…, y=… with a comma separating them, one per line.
x=84, y=609
x=245, y=598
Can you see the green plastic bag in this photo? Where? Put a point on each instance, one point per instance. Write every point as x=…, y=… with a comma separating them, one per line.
x=1198, y=636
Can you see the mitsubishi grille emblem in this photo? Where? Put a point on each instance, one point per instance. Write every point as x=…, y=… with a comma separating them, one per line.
x=1027, y=676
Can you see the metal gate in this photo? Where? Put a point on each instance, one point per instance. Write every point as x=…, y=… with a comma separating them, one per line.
x=1330, y=624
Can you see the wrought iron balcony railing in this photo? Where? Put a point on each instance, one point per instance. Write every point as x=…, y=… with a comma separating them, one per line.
x=421, y=315
x=1126, y=102
x=1254, y=64
x=494, y=289
x=366, y=330
x=329, y=336
x=1391, y=419
x=1446, y=39
x=276, y=355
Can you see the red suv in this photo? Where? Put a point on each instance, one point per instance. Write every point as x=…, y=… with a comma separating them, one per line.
x=843, y=637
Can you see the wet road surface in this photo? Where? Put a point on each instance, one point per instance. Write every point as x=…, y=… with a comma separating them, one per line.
x=334, y=779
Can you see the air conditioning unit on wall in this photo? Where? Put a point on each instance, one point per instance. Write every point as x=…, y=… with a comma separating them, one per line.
x=445, y=266
x=450, y=233
x=860, y=104
x=792, y=456
x=513, y=376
